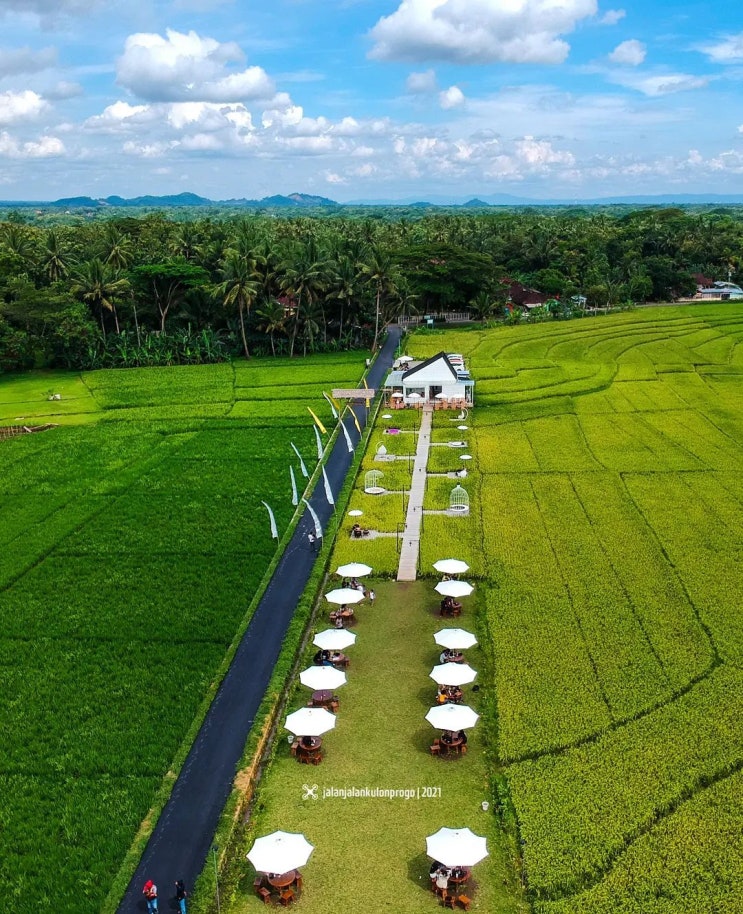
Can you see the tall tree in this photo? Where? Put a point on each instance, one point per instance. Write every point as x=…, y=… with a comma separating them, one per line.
x=98, y=285
x=239, y=288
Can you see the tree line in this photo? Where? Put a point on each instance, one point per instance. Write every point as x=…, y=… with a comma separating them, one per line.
x=152, y=290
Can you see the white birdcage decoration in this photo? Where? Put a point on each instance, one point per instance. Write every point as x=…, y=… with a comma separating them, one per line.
x=459, y=501
x=373, y=482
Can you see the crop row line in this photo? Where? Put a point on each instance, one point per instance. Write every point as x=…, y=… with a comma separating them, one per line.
x=704, y=782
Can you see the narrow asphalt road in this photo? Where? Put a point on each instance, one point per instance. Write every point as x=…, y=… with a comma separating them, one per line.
x=183, y=836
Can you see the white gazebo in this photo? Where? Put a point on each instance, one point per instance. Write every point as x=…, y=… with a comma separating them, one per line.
x=435, y=381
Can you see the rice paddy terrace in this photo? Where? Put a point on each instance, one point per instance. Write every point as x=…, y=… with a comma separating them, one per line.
x=609, y=505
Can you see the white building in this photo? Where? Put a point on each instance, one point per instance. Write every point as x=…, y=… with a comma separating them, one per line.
x=436, y=381
x=721, y=291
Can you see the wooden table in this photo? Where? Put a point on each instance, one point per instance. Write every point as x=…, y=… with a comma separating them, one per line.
x=451, y=657
x=459, y=876
x=324, y=698
x=282, y=880
x=346, y=616
x=338, y=659
x=451, y=746
x=452, y=694
x=309, y=750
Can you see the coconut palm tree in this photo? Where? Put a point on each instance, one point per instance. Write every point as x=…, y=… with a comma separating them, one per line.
x=98, y=284
x=380, y=271
x=56, y=259
x=272, y=317
x=239, y=287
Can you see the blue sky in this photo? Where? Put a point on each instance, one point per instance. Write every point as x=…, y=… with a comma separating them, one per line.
x=370, y=99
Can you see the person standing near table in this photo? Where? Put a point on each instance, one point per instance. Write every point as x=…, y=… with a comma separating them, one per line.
x=180, y=895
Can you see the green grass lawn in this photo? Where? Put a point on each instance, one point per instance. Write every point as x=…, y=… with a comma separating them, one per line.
x=370, y=853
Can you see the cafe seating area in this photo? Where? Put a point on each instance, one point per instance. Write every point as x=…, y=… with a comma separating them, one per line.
x=278, y=888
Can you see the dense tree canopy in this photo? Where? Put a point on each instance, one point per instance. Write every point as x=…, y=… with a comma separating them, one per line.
x=137, y=290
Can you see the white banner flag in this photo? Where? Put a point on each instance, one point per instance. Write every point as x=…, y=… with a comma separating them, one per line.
x=349, y=443
x=319, y=442
x=315, y=518
x=274, y=529
x=302, y=467
x=333, y=410
x=328, y=490
x=295, y=497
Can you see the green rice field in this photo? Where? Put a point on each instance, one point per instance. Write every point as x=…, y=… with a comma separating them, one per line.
x=132, y=542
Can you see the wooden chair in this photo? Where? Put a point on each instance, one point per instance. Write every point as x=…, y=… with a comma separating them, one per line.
x=294, y=747
x=258, y=883
x=435, y=750
x=448, y=901
x=465, y=902
x=287, y=897
x=265, y=895
x=463, y=749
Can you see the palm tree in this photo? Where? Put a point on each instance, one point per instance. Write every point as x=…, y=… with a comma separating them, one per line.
x=301, y=281
x=116, y=247
x=272, y=318
x=98, y=284
x=56, y=259
x=239, y=287
x=380, y=271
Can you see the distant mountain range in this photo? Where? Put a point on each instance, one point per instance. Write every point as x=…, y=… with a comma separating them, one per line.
x=299, y=201
x=185, y=199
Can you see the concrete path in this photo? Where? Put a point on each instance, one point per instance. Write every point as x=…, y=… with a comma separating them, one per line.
x=407, y=570
x=183, y=836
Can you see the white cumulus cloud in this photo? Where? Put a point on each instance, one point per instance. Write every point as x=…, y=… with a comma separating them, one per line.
x=629, y=53
x=186, y=67
x=45, y=147
x=20, y=106
x=479, y=31
x=453, y=97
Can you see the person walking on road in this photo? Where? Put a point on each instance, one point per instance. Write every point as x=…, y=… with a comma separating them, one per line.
x=180, y=895
x=150, y=893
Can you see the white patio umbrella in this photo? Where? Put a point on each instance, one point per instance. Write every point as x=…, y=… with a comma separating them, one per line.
x=280, y=852
x=353, y=570
x=453, y=674
x=455, y=639
x=344, y=595
x=454, y=588
x=442, y=396
x=309, y=722
x=451, y=566
x=405, y=358
x=397, y=395
x=451, y=717
x=323, y=677
x=414, y=396
x=456, y=847
x=334, y=639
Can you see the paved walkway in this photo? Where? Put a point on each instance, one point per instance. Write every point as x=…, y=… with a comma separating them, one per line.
x=183, y=836
x=407, y=570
